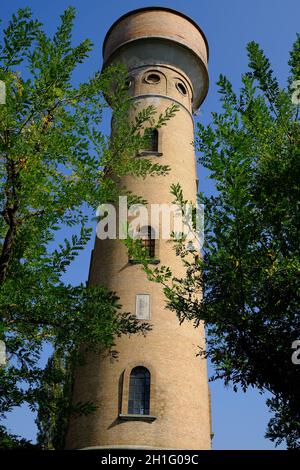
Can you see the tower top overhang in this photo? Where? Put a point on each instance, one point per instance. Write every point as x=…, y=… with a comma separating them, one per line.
x=160, y=36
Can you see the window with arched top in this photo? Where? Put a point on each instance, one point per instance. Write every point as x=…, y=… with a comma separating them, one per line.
x=139, y=391
x=147, y=237
x=151, y=136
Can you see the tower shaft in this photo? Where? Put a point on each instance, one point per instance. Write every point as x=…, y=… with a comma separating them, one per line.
x=166, y=55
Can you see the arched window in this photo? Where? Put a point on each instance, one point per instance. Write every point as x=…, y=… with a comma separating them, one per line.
x=139, y=391
x=147, y=237
x=151, y=140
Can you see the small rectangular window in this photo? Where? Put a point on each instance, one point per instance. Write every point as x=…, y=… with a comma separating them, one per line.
x=151, y=136
x=142, y=306
x=147, y=236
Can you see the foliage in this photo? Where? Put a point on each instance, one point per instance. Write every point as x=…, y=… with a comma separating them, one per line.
x=249, y=272
x=11, y=441
x=55, y=391
x=56, y=164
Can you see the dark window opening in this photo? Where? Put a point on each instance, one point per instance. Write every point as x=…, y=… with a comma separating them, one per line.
x=148, y=240
x=151, y=140
x=152, y=78
x=180, y=87
x=128, y=82
x=139, y=391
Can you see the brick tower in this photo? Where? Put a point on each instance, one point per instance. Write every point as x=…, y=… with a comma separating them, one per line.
x=155, y=396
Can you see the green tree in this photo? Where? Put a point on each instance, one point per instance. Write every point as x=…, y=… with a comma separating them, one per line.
x=12, y=441
x=56, y=390
x=249, y=271
x=55, y=164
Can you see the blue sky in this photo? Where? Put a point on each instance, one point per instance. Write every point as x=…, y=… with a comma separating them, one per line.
x=239, y=420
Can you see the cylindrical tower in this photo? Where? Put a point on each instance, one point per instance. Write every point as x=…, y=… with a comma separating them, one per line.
x=155, y=395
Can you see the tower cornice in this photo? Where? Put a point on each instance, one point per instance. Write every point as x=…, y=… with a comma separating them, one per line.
x=160, y=35
x=140, y=10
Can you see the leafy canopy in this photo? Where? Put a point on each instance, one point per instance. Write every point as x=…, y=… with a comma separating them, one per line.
x=56, y=165
x=249, y=271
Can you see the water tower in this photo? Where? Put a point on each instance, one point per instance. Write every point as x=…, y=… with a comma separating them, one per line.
x=155, y=396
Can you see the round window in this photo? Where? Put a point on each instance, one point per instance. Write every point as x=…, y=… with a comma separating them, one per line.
x=181, y=88
x=128, y=83
x=152, y=78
